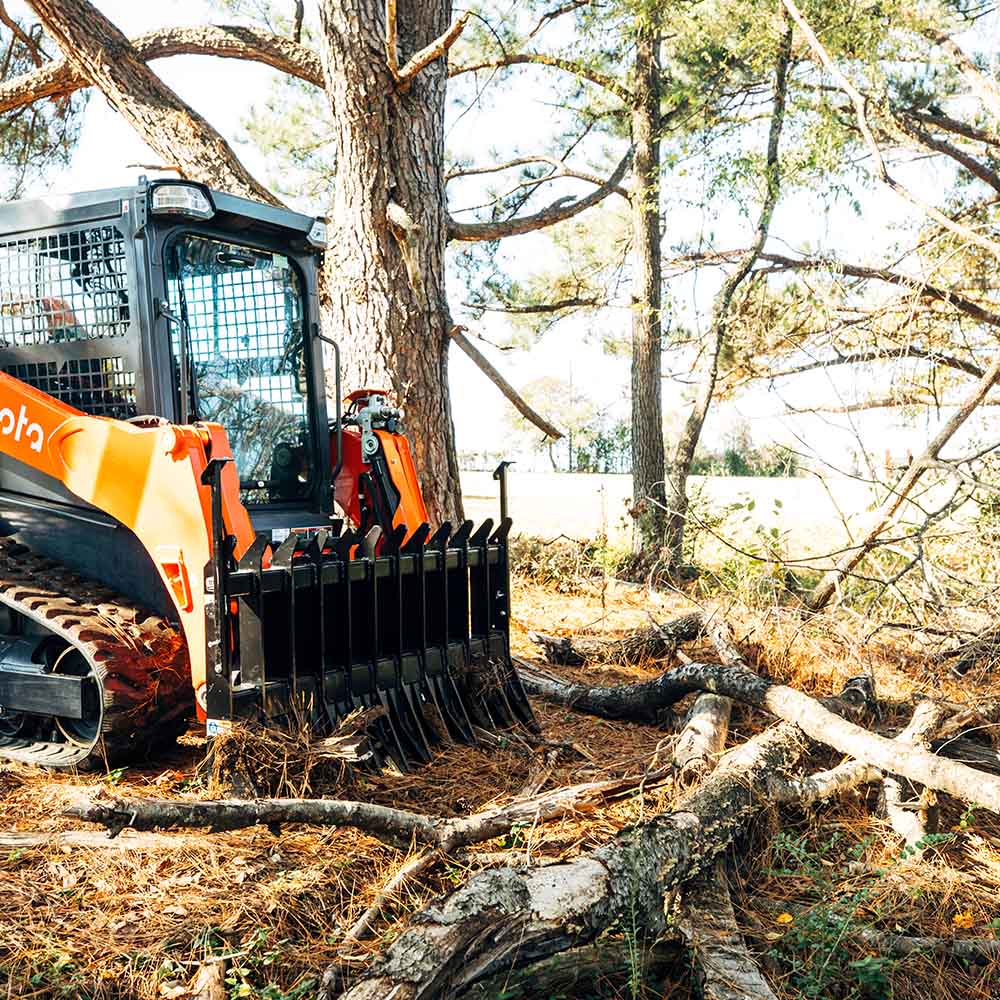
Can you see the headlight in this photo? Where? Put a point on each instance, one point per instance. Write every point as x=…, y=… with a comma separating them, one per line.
x=181, y=199
x=318, y=235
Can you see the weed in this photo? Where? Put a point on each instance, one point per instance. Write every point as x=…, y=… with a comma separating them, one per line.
x=812, y=947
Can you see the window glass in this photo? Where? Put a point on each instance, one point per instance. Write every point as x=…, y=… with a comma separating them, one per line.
x=242, y=332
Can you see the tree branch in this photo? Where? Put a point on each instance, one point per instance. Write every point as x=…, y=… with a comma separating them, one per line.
x=859, y=102
x=519, y=402
x=642, y=702
x=866, y=357
x=60, y=79
x=559, y=211
x=577, y=69
x=560, y=170
x=391, y=39
x=981, y=85
x=422, y=59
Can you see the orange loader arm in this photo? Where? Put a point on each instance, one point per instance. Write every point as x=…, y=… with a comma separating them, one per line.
x=146, y=477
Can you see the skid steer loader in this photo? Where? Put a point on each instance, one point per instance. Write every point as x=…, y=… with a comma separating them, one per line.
x=183, y=525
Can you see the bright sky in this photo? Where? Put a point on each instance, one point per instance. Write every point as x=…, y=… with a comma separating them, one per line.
x=224, y=91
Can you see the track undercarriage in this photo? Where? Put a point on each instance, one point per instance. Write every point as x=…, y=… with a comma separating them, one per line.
x=118, y=673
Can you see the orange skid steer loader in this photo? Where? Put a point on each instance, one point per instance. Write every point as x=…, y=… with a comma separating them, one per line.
x=169, y=485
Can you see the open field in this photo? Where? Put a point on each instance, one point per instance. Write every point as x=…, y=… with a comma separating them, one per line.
x=583, y=506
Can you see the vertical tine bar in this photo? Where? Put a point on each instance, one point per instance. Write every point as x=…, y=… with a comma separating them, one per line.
x=392, y=730
x=317, y=637
x=416, y=547
x=253, y=666
x=448, y=690
x=481, y=590
x=408, y=713
x=515, y=691
x=342, y=549
x=284, y=559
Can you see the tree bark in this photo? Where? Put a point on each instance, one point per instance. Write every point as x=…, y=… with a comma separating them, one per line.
x=648, y=497
x=102, y=54
x=709, y=923
x=654, y=643
x=703, y=737
x=504, y=918
x=385, y=278
x=680, y=465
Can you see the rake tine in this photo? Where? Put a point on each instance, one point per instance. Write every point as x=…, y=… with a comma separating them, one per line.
x=394, y=743
x=404, y=725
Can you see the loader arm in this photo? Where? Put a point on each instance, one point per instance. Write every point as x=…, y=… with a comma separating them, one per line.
x=148, y=478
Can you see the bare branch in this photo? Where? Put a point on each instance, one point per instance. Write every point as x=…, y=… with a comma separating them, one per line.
x=981, y=85
x=859, y=101
x=168, y=124
x=559, y=211
x=577, y=69
x=535, y=308
x=422, y=59
x=519, y=402
x=886, y=513
x=60, y=79
x=891, y=354
x=546, y=19
x=391, y=39
x=560, y=169
x=21, y=35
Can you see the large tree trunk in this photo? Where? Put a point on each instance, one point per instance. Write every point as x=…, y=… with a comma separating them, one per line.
x=385, y=276
x=648, y=500
x=680, y=466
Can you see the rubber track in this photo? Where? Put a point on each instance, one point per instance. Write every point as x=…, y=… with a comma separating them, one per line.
x=139, y=659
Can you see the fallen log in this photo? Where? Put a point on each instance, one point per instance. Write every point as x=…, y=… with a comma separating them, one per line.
x=505, y=918
x=709, y=923
x=912, y=823
x=574, y=972
x=643, y=702
x=393, y=825
x=703, y=737
x=657, y=642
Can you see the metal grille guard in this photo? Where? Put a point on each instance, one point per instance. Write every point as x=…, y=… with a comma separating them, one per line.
x=340, y=622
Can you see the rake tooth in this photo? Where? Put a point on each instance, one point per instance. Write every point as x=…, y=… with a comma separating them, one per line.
x=390, y=734
x=402, y=726
x=414, y=696
x=410, y=724
x=518, y=701
x=429, y=694
x=450, y=696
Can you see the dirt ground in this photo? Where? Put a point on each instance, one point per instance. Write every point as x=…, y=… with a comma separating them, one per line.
x=84, y=917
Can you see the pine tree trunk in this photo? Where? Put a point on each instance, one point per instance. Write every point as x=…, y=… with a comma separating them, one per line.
x=647, y=419
x=385, y=275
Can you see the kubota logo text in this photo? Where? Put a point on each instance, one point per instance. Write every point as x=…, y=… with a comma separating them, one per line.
x=20, y=427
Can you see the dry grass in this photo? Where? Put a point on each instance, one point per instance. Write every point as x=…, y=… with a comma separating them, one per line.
x=136, y=923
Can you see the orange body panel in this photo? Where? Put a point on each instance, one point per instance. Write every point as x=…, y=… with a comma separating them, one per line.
x=411, y=510
x=148, y=478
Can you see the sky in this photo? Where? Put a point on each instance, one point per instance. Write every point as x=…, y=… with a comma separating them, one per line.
x=224, y=91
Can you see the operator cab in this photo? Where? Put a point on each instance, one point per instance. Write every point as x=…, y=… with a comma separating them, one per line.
x=171, y=300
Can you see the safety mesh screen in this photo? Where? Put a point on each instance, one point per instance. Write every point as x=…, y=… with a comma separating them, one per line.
x=243, y=315
x=65, y=286
x=102, y=387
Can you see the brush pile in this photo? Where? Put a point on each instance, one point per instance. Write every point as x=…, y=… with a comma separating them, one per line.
x=675, y=843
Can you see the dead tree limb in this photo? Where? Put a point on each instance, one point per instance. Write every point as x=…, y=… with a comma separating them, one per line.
x=392, y=825
x=883, y=518
x=516, y=399
x=504, y=918
x=912, y=823
x=709, y=923
x=703, y=737
x=654, y=643
x=644, y=702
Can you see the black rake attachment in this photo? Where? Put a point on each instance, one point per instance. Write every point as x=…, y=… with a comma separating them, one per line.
x=337, y=621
